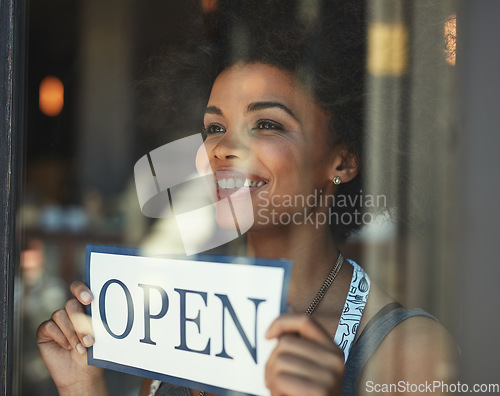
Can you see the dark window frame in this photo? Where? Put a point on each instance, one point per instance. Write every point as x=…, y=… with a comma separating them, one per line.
x=12, y=88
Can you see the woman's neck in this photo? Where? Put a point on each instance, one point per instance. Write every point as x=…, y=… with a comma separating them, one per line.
x=312, y=251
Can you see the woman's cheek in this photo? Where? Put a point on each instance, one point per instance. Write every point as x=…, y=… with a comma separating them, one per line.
x=202, y=162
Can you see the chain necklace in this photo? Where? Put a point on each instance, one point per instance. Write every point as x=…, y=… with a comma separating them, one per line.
x=320, y=294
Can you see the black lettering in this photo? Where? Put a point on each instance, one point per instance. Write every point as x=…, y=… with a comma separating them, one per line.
x=226, y=305
x=183, y=345
x=130, y=308
x=147, y=311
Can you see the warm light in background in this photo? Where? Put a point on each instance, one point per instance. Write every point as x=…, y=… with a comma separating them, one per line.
x=51, y=96
x=387, y=49
x=209, y=5
x=450, y=35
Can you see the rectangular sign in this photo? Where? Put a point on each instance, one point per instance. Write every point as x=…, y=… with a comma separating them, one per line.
x=198, y=323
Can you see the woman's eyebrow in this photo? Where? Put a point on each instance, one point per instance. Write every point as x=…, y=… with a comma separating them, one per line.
x=213, y=110
x=266, y=105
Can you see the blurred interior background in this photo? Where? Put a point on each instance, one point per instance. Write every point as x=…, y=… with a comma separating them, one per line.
x=81, y=144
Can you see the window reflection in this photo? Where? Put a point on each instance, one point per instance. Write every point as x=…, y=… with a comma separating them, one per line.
x=450, y=35
x=80, y=155
x=83, y=138
x=42, y=294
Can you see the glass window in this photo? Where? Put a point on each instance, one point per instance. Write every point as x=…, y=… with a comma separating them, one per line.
x=85, y=131
x=97, y=101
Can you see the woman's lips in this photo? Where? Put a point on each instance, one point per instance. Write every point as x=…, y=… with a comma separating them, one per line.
x=231, y=182
x=228, y=182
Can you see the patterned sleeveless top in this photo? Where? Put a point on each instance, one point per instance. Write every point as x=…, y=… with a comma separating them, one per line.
x=353, y=309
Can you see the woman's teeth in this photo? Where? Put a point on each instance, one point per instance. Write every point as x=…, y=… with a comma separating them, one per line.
x=237, y=183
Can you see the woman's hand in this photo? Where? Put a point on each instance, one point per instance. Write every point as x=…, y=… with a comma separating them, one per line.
x=63, y=342
x=306, y=361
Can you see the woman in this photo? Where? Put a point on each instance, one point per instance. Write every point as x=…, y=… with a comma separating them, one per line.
x=284, y=116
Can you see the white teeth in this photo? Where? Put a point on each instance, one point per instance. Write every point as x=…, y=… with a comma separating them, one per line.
x=221, y=183
x=238, y=183
x=230, y=183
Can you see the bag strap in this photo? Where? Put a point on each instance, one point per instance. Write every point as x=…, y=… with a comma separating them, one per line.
x=369, y=340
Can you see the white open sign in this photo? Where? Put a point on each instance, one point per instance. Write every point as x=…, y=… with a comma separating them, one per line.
x=198, y=322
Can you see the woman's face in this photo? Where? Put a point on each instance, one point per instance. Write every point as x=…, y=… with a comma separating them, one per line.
x=265, y=131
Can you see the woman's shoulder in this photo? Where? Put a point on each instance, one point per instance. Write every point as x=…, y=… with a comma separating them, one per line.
x=416, y=350
x=419, y=351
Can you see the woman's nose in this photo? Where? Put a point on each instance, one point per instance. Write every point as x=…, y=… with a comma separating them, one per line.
x=231, y=145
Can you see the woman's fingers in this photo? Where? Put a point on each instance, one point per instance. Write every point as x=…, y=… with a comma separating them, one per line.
x=74, y=325
x=81, y=292
x=305, y=360
x=61, y=319
x=62, y=342
x=81, y=322
x=307, y=369
x=70, y=327
x=48, y=331
x=299, y=324
x=294, y=355
x=330, y=355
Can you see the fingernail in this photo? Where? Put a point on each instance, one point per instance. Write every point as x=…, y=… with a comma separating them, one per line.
x=86, y=297
x=81, y=349
x=88, y=340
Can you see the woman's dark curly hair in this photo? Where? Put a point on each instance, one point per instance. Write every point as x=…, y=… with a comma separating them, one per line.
x=321, y=42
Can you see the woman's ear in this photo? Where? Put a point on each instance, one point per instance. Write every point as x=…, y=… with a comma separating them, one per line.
x=345, y=166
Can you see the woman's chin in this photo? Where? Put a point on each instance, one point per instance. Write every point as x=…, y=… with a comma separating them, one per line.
x=235, y=211
x=236, y=217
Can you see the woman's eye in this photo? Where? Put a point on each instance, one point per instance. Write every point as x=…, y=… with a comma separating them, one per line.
x=268, y=124
x=214, y=128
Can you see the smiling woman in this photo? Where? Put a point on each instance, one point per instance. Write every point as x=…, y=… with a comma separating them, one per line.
x=315, y=53
x=283, y=117
x=264, y=125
